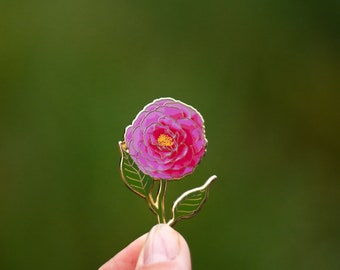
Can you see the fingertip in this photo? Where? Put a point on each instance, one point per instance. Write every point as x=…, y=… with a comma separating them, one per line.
x=164, y=249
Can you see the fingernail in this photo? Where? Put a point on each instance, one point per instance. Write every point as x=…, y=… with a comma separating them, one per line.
x=162, y=245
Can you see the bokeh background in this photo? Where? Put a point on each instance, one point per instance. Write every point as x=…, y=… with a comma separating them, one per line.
x=265, y=76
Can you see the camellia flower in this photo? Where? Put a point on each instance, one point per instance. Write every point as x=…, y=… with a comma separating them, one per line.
x=166, y=139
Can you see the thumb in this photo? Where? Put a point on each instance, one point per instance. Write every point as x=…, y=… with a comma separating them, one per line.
x=164, y=249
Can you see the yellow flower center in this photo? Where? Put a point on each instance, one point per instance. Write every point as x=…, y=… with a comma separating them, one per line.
x=165, y=140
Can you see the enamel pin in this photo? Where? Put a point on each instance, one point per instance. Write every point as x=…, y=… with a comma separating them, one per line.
x=165, y=142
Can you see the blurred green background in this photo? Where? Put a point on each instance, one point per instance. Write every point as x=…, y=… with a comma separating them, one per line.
x=265, y=76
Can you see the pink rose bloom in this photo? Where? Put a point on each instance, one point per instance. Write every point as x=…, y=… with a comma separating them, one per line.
x=166, y=139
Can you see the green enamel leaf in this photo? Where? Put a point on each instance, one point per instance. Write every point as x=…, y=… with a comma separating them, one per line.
x=132, y=176
x=190, y=202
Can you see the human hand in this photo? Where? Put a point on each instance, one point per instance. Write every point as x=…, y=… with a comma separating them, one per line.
x=162, y=248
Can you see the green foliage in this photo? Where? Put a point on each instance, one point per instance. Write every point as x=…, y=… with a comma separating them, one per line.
x=190, y=202
x=132, y=176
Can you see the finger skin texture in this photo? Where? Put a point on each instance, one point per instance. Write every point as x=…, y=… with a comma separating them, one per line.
x=127, y=258
x=162, y=248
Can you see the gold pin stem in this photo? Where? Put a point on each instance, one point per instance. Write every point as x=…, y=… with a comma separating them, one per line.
x=157, y=206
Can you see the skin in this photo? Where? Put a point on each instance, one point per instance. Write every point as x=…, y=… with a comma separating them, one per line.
x=162, y=248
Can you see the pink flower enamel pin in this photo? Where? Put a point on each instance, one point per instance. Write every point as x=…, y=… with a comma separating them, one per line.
x=165, y=142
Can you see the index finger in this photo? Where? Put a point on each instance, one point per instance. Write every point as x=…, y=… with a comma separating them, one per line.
x=127, y=258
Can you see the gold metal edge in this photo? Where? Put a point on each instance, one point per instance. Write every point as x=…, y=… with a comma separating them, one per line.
x=173, y=221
